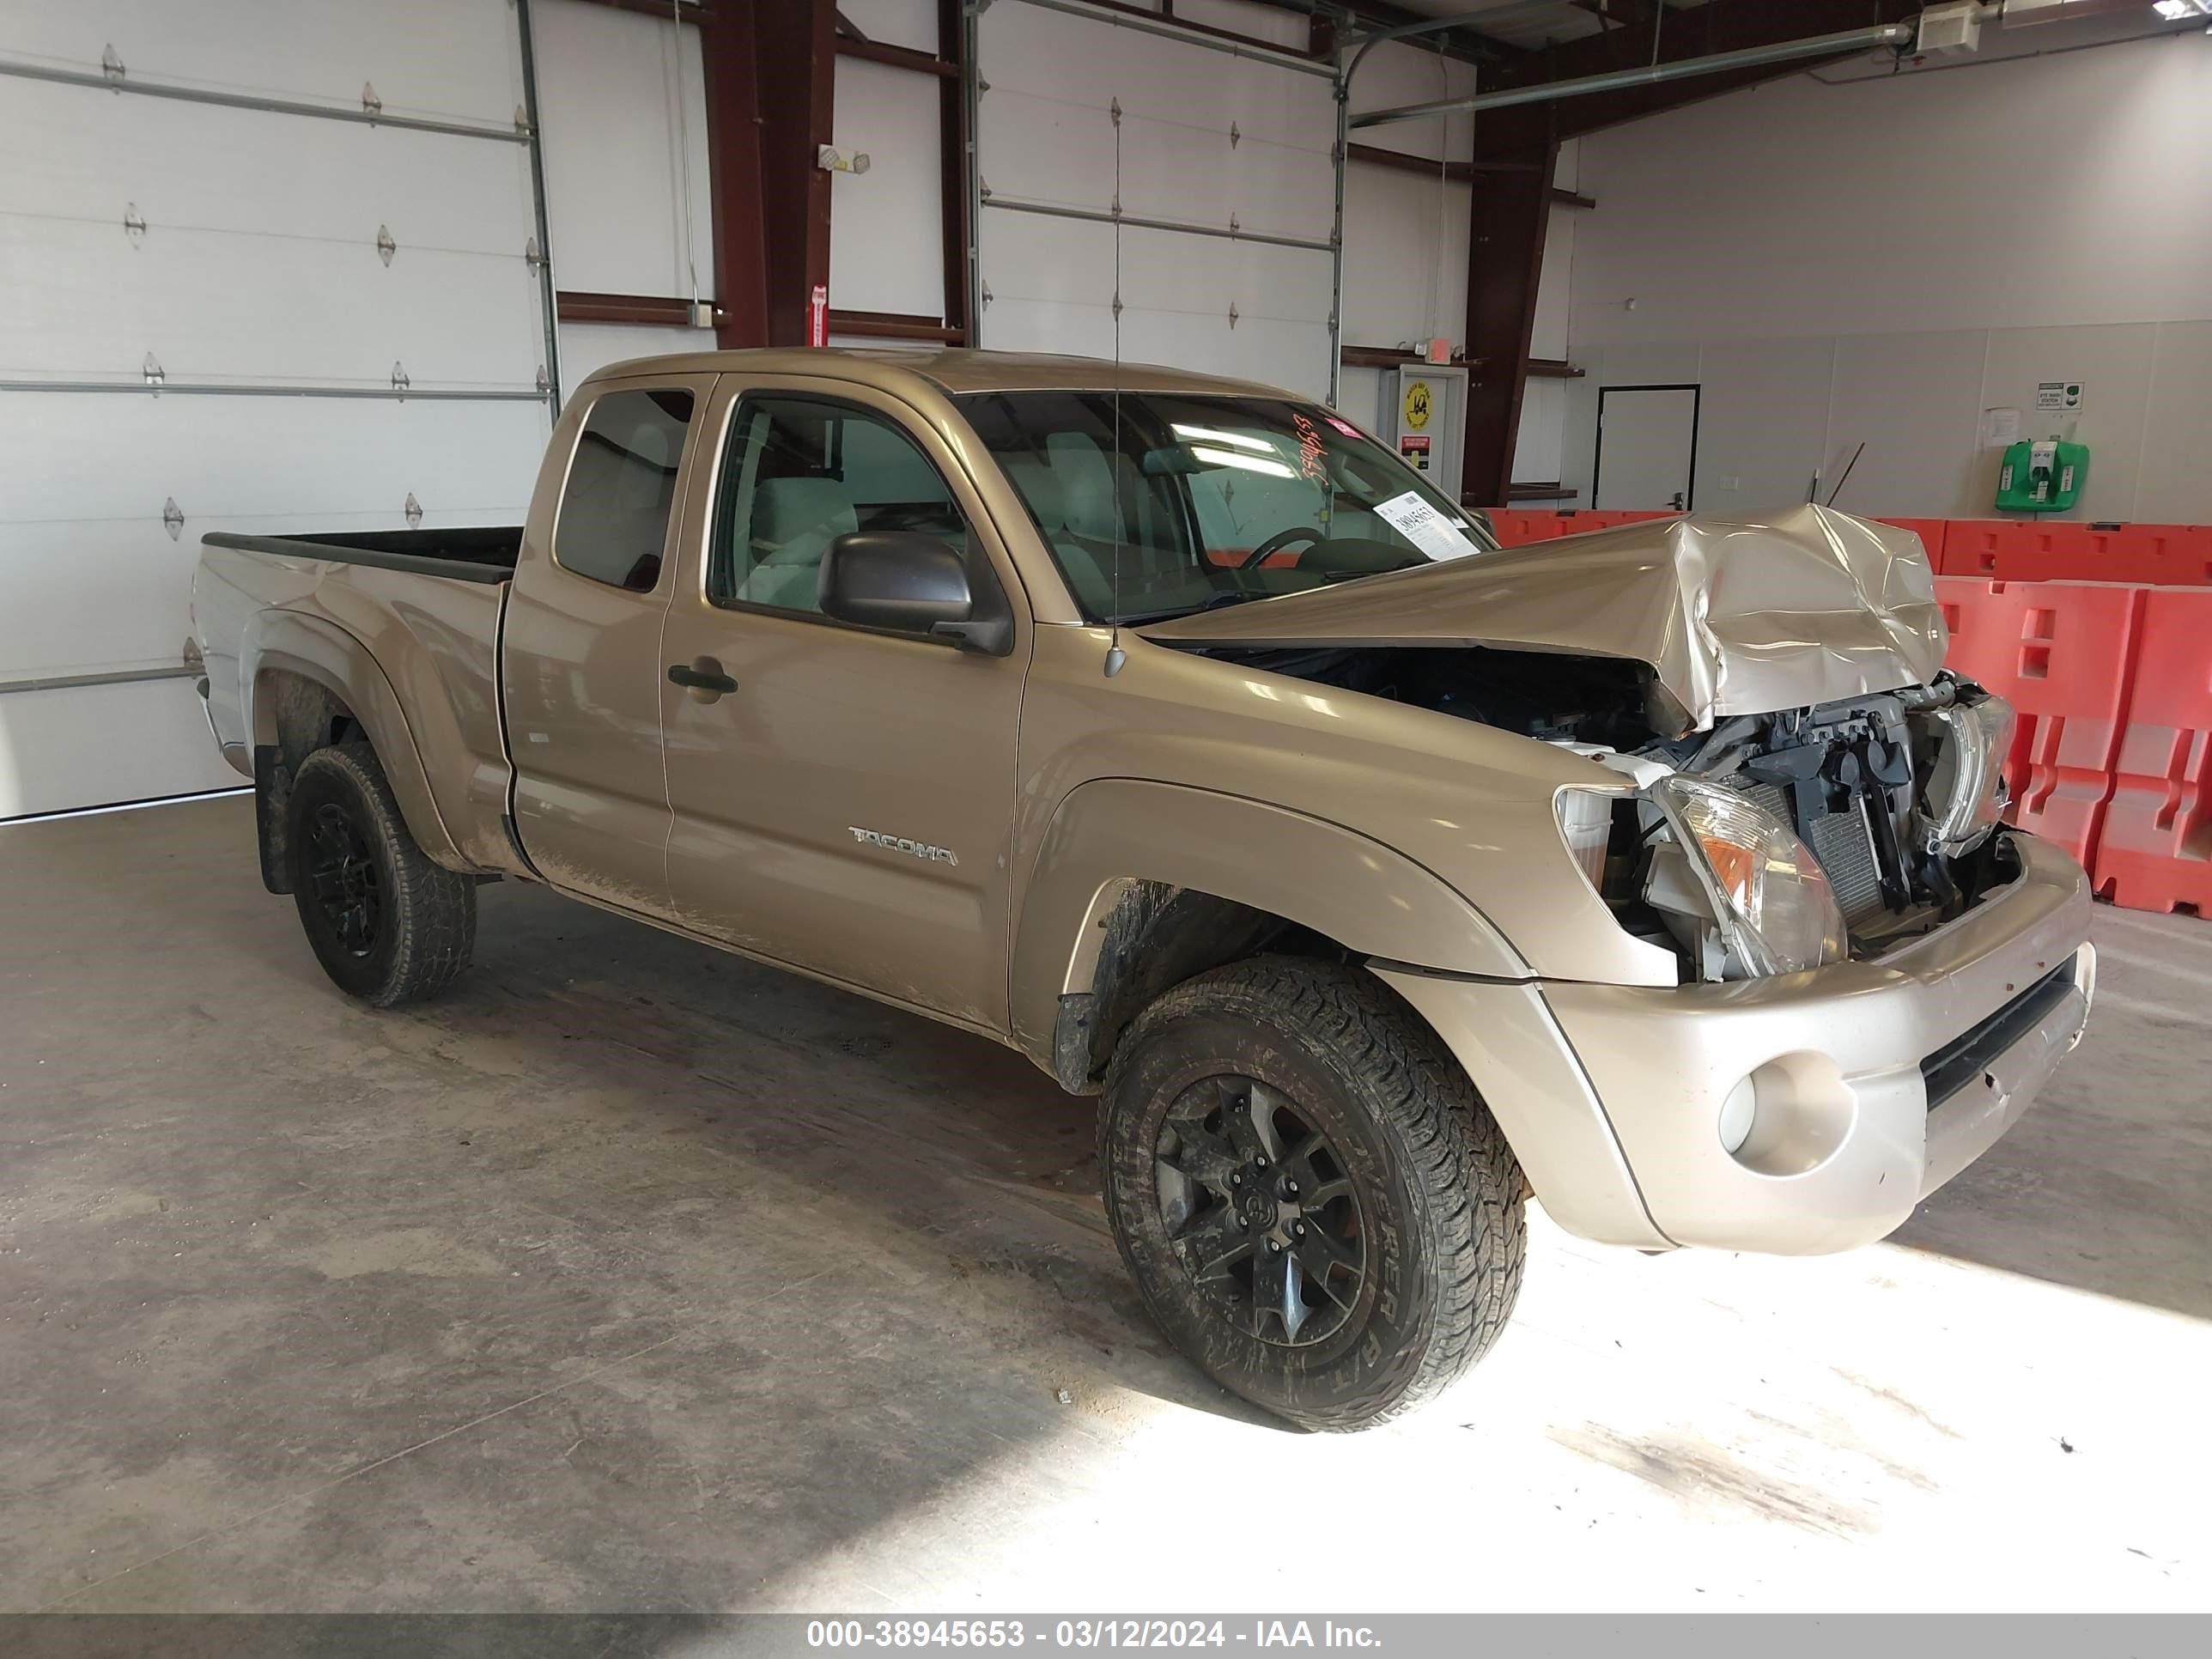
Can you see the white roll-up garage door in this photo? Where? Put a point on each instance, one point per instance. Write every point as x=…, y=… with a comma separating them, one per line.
x=1234, y=152
x=223, y=315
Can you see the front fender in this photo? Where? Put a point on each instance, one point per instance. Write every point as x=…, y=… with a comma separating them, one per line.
x=1109, y=832
x=325, y=654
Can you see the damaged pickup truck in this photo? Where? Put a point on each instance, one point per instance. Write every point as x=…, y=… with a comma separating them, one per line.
x=1171, y=732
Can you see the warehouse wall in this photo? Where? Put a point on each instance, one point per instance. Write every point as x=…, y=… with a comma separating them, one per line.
x=622, y=98
x=1883, y=260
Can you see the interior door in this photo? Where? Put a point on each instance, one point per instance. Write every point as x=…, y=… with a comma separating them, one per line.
x=842, y=797
x=580, y=658
x=1647, y=449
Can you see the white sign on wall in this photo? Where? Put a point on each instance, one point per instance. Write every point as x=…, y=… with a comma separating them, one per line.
x=2058, y=398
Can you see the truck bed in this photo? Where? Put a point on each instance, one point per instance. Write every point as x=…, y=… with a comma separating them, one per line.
x=398, y=631
x=486, y=554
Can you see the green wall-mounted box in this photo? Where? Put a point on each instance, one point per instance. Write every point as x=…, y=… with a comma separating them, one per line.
x=2041, y=476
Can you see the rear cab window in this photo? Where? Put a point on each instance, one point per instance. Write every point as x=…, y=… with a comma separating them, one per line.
x=612, y=523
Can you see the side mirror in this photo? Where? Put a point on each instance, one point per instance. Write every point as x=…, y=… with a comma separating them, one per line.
x=911, y=582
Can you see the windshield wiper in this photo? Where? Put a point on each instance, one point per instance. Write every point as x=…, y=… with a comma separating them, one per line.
x=1139, y=618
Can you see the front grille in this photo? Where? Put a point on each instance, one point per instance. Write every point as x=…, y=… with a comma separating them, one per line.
x=1960, y=1061
x=1838, y=839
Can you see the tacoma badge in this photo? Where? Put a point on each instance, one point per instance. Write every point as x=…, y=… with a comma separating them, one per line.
x=900, y=844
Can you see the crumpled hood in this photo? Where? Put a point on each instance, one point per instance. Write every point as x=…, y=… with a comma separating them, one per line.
x=1734, y=616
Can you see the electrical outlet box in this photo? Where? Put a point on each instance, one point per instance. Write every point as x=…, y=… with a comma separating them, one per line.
x=1950, y=29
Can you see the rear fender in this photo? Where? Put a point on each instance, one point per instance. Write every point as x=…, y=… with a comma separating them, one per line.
x=319, y=653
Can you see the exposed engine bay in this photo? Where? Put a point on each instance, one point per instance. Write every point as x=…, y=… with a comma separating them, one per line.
x=1888, y=800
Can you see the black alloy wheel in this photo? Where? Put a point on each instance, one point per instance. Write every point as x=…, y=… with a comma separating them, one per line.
x=342, y=877
x=1259, y=1210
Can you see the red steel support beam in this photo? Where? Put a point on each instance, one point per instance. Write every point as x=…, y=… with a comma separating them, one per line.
x=573, y=305
x=1506, y=218
x=905, y=58
x=733, y=174
x=953, y=139
x=795, y=59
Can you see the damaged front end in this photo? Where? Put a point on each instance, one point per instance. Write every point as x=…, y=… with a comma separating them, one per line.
x=1783, y=841
x=1801, y=781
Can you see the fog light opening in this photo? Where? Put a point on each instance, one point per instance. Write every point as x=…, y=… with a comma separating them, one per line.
x=1737, y=1112
x=1789, y=1116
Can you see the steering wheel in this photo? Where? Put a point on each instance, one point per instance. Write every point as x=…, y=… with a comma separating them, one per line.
x=1279, y=540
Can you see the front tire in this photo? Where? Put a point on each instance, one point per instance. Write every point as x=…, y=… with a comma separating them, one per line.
x=388, y=926
x=1314, y=1204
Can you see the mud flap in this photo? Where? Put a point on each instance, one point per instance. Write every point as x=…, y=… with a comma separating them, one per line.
x=272, y=793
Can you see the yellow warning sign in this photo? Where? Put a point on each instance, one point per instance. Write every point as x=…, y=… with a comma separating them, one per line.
x=1416, y=404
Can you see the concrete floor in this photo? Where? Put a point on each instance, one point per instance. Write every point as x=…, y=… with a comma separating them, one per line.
x=632, y=1276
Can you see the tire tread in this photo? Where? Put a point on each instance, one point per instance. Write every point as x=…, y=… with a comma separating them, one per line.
x=1469, y=1184
x=435, y=909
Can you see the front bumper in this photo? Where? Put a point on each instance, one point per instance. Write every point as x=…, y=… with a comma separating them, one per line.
x=1613, y=1096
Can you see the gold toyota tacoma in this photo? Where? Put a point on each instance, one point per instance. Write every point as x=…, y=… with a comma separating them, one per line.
x=1170, y=730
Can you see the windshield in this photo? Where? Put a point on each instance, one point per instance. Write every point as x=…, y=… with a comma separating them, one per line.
x=1192, y=502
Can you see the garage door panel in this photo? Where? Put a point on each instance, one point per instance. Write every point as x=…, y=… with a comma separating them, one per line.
x=454, y=59
x=1084, y=61
x=1173, y=171
x=1029, y=257
x=1191, y=175
x=211, y=305
x=110, y=596
x=201, y=166
x=1207, y=138
x=1172, y=270
x=1035, y=149
x=119, y=456
x=95, y=746
x=116, y=597
x=257, y=266
x=1083, y=330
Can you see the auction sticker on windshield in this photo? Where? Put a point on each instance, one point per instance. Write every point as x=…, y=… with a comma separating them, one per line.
x=1426, y=528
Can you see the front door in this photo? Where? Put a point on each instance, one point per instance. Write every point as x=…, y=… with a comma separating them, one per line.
x=580, y=657
x=842, y=797
x=1647, y=447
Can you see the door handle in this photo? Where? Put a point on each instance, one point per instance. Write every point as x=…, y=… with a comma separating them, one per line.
x=703, y=677
x=1676, y=503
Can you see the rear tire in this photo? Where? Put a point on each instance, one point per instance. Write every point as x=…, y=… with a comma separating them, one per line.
x=388, y=926
x=1313, y=1202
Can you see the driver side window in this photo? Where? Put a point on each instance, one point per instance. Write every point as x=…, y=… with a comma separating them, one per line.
x=800, y=473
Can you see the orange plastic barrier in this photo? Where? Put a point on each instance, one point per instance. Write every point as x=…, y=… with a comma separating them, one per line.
x=1517, y=527
x=2062, y=654
x=2156, y=851
x=2009, y=550
x=1574, y=522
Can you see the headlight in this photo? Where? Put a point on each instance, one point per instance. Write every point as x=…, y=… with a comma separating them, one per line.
x=1964, y=798
x=1769, y=894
